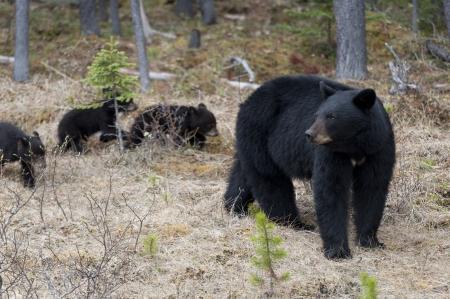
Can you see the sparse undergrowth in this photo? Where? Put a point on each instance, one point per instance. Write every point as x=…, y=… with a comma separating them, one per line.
x=88, y=219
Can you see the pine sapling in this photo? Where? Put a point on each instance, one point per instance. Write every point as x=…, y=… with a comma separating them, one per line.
x=368, y=286
x=268, y=252
x=105, y=74
x=151, y=245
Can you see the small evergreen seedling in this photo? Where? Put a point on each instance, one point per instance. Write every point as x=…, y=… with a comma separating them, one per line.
x=104, y=74
x=151, y=245
x=268, y=251
x=368, y=286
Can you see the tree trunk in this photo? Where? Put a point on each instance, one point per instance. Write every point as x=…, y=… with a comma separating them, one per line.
x=351, y=60
x=414, y=16
x=140, y=45
x=21, y=61
x=102, y=10
x=208, y=12
x=88, y=18
x=115, y=19
x=184, y=7
x=447, y=15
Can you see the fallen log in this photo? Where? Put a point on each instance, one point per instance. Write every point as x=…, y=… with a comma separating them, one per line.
x=152, y=75
x=437, y=51
x=6, y=59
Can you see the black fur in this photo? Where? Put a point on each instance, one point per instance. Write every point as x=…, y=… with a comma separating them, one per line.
x=184, y=124
x=78, y=124
x=15, y=145
x=356, y=164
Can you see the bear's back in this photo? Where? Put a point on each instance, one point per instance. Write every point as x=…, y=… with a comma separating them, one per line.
x=9, y=135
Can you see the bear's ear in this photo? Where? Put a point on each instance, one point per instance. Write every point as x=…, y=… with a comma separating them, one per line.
x=365, y=99
x=192, y=110
x=201, y=106
x=326, y=90
x=35, y=134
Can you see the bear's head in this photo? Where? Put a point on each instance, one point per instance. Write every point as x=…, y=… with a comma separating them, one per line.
x=342, y=116
x=31, y=149
x=202, y=121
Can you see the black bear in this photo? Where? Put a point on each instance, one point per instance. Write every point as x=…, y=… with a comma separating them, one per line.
x=308, y=127
x=78, y=124
x=184, y=124
x=15, y=145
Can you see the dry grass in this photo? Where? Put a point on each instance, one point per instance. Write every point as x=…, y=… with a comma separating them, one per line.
x=203, y=252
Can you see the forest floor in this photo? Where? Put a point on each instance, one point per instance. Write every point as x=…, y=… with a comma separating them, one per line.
x=76, y=233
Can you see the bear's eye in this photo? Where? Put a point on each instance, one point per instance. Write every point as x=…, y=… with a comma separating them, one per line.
x=330, y=116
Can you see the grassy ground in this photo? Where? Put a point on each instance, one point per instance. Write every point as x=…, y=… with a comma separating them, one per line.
x=80, y=225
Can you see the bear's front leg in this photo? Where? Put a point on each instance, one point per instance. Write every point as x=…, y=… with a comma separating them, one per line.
x=332, y=179
x=370, y=188
x=27, y=174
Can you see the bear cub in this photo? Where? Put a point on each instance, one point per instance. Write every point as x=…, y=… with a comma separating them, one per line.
x=15, y=145
x=182, y=124
x=309, y=127
x=78, y=124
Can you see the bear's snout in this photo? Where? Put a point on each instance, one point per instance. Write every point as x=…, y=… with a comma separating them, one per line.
x=318, y=133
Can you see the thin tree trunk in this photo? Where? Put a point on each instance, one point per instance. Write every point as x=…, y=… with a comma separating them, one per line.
x=195, y=39
x=184, y=7
x=208, y=12
x=351, y=60
x=447, y=15
x=140, y=45
x=88, y=18
x=102, y=10
x=21, y=60
x=415, y=14
x=115, y=19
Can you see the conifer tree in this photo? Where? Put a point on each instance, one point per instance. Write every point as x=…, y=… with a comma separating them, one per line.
x=268, y=251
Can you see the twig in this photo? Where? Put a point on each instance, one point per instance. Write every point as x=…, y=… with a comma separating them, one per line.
x=141, y=220
x=55, y=195
x=58, y=72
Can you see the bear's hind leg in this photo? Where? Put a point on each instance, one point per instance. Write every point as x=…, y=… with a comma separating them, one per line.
x=276, y=197
x=238, y=195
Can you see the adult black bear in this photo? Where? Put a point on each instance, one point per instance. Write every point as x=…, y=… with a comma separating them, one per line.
x=78, y=124
x=351, y=155
x=184, y=124
x=15, y=145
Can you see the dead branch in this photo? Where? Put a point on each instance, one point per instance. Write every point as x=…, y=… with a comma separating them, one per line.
x=148, y=30
x=236, y=60
x=399, y=71
x=241, y=85
x=152, y=75
x=141, y=220
x=441, y=86
x=6, y=59
x=437, y=51
x=51, y=68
